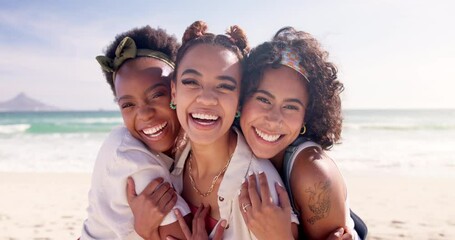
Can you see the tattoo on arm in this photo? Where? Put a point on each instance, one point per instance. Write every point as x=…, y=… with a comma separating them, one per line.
x=319, y=201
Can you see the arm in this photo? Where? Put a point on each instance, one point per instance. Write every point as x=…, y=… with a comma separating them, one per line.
x=319, y=193
x=145, y=219
x=108, y=214
x=268, y=221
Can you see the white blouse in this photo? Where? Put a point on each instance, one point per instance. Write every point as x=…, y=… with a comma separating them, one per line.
x=120, y=156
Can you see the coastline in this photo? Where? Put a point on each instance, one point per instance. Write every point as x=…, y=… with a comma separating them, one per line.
x=53, y=205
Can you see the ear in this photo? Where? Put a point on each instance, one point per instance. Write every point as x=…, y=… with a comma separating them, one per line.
x=173, y=86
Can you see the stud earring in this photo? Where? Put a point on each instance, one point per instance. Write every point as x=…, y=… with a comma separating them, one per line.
x=172, y=106
x=237, y=114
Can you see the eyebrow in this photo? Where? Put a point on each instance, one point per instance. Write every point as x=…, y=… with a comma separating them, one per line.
x=147, y=90
x=294, y=100
x=221, y=77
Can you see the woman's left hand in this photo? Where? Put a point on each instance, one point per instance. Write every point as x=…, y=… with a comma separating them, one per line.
x=265, y=219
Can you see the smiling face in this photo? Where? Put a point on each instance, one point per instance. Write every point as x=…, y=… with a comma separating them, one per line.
x=273, y=115
x=206, y=91
x=142, y=88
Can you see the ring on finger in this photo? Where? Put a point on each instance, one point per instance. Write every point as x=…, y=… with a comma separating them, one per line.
x=245, y=205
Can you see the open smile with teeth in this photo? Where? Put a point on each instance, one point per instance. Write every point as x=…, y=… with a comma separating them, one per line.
x=204, y=119
x=267, y=137
x=155, y=131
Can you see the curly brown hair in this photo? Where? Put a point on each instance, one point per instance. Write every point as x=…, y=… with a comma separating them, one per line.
x=145, y=38
x=235, y=40
x=323, y=118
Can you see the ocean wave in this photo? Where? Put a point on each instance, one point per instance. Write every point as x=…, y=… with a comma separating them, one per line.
x=70, y=128
x=14, y=128
x=97, y=120
x=398, y=127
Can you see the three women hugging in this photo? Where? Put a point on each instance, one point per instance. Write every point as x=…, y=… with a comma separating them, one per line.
x=202, y=152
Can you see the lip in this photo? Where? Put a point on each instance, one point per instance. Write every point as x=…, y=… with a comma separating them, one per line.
x=204, y=120
x=155, y=132
x=267, y=137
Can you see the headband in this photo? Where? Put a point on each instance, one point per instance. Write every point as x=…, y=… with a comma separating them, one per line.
x=291, y=59
x=127, y=50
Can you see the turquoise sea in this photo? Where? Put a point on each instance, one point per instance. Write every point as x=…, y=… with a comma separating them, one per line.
x=406, y=141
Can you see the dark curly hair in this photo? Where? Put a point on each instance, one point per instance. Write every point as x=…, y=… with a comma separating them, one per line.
x=145, y=38
x=323, y=118
x=235, y=40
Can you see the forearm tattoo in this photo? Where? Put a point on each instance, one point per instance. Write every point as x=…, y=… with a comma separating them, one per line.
x=319, y=201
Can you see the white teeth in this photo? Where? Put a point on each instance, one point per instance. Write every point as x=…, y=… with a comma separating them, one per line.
x=153, y=130
x=204, y=116
x=267, y=137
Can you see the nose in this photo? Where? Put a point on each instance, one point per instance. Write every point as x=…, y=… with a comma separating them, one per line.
x=146, y=112
x=207, y=97
x=274, y=118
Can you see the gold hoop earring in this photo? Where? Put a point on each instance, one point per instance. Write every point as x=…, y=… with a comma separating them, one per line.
x=303, y=130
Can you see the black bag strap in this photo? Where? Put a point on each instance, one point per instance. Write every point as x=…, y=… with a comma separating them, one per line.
x=286, y=171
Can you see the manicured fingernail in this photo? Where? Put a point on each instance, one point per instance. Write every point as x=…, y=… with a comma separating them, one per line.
x=250, y=173
x=223, y=223
x=339, y=232
x=261, y=172
x=279, y=184
x=176, y=212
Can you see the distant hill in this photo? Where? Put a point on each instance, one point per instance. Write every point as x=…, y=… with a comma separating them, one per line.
x=23, y=103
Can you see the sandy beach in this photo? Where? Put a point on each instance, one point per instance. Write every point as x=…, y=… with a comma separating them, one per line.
x=52, y=205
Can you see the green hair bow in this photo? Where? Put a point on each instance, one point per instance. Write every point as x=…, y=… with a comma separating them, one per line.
x=127, y=50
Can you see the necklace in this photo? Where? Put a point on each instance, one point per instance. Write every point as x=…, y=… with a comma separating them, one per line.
x=193, y=183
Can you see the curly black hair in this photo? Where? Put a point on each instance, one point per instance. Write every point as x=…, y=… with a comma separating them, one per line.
x=235, y=40
x=145, y=38
x=323, y=118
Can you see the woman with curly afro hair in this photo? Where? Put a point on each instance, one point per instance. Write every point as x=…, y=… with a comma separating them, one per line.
x=138, y=66
x=291, y=96
x=206, y=90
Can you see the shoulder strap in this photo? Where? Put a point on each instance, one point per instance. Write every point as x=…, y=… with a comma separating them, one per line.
x=287, y=167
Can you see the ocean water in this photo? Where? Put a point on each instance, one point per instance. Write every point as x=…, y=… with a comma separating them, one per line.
x=53, y=141
x=405, y=141
x=415, y=142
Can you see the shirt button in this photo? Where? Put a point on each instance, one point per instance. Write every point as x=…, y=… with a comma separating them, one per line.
x=221, y=198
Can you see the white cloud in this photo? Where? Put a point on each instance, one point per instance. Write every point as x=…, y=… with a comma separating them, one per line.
x=390, y=53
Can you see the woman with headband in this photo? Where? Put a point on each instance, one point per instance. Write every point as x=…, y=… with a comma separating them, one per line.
x=137, y=66
x=292, y=94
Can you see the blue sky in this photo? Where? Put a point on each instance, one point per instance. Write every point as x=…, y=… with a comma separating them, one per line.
x=390, y=53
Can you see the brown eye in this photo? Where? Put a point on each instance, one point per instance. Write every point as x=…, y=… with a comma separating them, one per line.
x=189, y=82
x=227, y=87
x=291, y=107
x=263, y=100
x=126, y=105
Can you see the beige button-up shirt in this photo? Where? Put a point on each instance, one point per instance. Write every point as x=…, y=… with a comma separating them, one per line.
x=243, y=161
